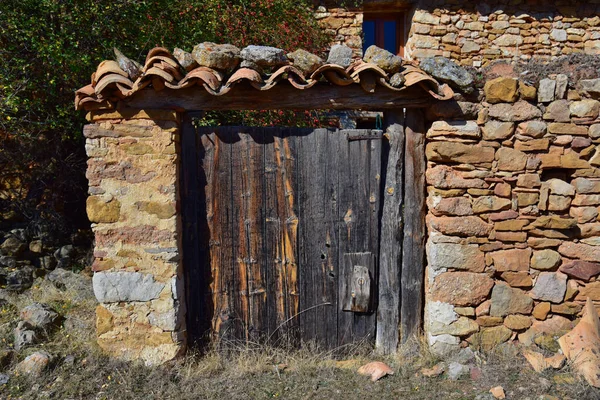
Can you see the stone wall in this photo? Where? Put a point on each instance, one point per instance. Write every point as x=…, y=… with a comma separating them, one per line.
x=513, y=187
x=344, y=25
x=476, y=34
x=133, y=203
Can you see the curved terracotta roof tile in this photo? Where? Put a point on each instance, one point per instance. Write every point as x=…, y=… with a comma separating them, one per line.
x=159, y=59
x=155, y=71
x=157, y=51
x=107, y=67
x=161, y=70
x=244, y=74
x=354, y=72
x=204, y=75
x=111, y=80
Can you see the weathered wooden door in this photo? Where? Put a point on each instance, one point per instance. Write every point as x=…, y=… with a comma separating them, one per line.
x=281, y=233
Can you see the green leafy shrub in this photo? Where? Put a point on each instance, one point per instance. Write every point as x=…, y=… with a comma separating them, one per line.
x=49, y=48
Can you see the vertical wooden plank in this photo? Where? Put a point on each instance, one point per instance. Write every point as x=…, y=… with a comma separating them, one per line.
x=354, y=229
x=347, y=218
x=413, y=248
x=222, y=218
x=280, y=235
x=249, y=152
x=239, y=282
x=375, y=191
x=327, y=331
x=317, y=189
x=272, y=238
x=289, y=181
x=390, y=245
x=210, y=236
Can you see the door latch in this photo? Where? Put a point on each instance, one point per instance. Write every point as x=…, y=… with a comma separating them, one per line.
x=359, y=295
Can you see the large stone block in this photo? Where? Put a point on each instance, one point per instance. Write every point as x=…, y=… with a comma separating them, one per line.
x=554, y=222
x=485, y=204
x=454, y=206
x=138, y=235
x=461, y=288
x=517, y=279
x=460, y=226
x=546, y=90
x=517, y=322
x=218, y=56
x=586, y=186
x=455, y=152
x=586, y=200
x=535, y=129
x=104, y=320
x=424, y=17
x=445, y=177
x=511, y=159
x=558, y=111
x=462, y=327
x=488, y=338
x=463, y=129
x=111, y=287
x=507, y=300
x=161, y=210
x=584, y=214
x=455, y=256
x=560, y=128
x=497, y=130
x=591, y=87
x=591, y=290
x=446, y=70
x=585, y=109
x=529, y=181
x=550, y=286
x=511, y=260
x=555, y=326
x=532, y=145
x=560, y=187
x=545, y=260
x=437, y=311
x=101, y=211
x=519, y=111
x=501, y=90
x=584, y=270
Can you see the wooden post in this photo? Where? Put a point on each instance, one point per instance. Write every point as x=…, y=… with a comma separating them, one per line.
x=413, y=248
x=390, y=248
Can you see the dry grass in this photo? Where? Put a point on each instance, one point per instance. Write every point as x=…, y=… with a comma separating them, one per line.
x=253, y=371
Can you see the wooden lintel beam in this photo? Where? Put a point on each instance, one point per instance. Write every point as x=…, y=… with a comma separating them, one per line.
x=281, y=97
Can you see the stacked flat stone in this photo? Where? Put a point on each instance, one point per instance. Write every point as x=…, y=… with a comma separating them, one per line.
x=344, y=26
x=132, y=173
x=475, y=36
x=513, y=203
x=479, y=36
x=513, y=30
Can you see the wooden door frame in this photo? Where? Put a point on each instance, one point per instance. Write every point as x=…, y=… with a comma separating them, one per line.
x=400, y=311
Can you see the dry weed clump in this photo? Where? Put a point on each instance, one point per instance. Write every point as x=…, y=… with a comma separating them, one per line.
x=253, y=370
x=576, y=66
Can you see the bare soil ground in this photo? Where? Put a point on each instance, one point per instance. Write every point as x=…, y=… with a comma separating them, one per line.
x=257, y=372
